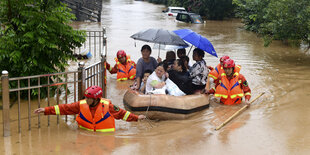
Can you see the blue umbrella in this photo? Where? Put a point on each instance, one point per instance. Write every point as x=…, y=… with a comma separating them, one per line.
x=196, y=40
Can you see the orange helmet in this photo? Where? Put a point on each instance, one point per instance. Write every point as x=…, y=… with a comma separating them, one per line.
x=93, y=92
x=121, y=53
x=228, y=63
x=223, y=58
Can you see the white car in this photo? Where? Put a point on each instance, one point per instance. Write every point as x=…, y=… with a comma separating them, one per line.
x=173, y=11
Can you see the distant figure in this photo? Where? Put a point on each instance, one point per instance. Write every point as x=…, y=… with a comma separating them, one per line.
x=231, y=86
x=199, y=71
x=145, y=63
x=124, y=67
x=94, y=113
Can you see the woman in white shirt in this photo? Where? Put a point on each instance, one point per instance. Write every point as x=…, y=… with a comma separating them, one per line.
x=155, y=84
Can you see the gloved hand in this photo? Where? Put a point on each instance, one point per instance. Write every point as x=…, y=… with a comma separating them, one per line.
x=141, y=117
x=247, y=102
x=210, y=91
x=107, y=66
x=210, y=68
x=159, y=60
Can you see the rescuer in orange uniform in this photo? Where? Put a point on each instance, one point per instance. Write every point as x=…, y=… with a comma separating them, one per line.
x=231, y=86
x=124, y=67
x=94, y=113
x=218, y=70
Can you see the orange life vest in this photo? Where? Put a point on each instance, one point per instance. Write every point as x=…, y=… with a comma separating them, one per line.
x=230, y=92
x=218, y=70
x=102, y=121
x=127, y=71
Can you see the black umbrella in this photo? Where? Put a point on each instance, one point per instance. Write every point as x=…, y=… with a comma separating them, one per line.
x=159, y=36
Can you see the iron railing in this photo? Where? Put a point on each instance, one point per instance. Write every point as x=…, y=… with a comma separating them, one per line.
x=74, y=82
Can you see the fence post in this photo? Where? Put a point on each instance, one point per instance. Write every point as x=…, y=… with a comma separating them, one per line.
x=104, y=42
x=6, y=103
x=103, y=75
x=104, y=55
x=81, y=78
x=99, y=16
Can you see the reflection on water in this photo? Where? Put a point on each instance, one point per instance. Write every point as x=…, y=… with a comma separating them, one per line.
x=277, y=123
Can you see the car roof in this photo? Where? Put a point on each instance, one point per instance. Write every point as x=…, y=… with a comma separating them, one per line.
x=172, y=7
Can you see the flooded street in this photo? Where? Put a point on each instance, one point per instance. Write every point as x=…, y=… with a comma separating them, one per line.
x=277, y=123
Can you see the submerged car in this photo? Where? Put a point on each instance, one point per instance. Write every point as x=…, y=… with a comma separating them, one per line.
x=189, y=18
x=173, y=11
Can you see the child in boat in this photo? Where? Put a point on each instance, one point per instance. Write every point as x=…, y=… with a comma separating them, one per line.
x=146, y=75
x=155, y=84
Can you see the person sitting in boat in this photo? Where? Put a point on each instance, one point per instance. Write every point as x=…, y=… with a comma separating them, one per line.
x=146, y=75
x=180, y=76
x=185, y=60
x=145, y=63
x=199, y=71
x=94, y=113
x=155, y=84
x=181, y=53
x=170, y=57
x=124, y=67
x=216, y=72
x=231, y=86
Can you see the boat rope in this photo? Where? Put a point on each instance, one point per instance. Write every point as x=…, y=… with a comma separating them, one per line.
x=148, y=105
x=146, y=118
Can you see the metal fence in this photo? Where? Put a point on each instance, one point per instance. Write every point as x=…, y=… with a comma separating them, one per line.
x=95, y=43
x=85, y=9
x=69, y=85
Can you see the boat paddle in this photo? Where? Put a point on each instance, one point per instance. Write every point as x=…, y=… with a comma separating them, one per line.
x=238, y=112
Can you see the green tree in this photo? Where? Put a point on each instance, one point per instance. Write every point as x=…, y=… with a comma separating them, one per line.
x=288, y=21
x=212, y=9
x=36, y=37
x=252, y=13
x=285, y=20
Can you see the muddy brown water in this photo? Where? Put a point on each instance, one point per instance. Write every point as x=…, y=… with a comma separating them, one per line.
x=277, y=123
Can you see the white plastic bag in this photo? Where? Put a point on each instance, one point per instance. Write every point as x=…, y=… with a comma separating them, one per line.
x=173, y=89
x=158, y=91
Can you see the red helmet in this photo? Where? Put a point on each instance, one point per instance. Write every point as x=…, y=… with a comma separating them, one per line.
x=228, y=63
x=223, y=58
x=93, y=92
x=121, y=53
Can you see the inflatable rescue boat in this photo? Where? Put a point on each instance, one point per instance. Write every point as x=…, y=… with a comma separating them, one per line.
x=165, y=107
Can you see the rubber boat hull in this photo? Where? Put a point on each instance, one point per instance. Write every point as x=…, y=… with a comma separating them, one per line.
x=165, y=107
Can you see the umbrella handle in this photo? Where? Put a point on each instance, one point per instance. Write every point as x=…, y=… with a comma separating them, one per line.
x=159, y=51
x=189, y=50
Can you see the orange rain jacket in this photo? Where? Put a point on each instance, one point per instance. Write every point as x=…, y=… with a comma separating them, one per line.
x=124, y=72
x=218, y=70
x=103, y=114
x=231, y=89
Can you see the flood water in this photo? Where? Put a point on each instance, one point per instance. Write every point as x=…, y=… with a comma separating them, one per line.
x=277, y=123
